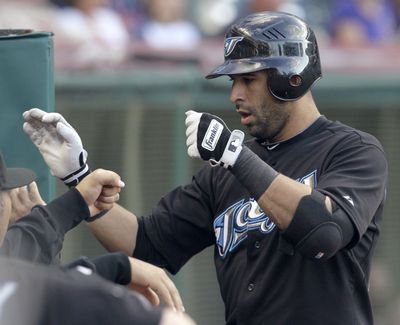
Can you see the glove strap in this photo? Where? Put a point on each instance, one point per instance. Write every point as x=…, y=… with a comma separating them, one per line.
x=74, y=178
x=232, y=149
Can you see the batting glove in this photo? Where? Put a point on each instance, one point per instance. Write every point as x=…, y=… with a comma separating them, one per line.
x=59, y=144
x=210, y=139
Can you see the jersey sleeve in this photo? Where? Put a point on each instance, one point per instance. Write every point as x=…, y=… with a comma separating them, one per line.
x=38, y=237
x=114, y=267
x=355, y=178
x=180, y=225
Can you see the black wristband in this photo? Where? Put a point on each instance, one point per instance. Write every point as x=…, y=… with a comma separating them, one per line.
x=96, y=216
x=255, y=174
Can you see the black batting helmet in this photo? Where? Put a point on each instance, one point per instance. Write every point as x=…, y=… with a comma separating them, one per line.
x=279, y=42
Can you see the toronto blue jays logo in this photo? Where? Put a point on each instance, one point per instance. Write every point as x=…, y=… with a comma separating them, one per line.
x=230, y=44
x=231, y=227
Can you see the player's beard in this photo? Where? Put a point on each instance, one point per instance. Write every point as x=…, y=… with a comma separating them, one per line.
x=269, y=120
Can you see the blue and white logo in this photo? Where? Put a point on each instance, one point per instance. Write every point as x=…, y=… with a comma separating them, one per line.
x=231, y=227
x=230, y=44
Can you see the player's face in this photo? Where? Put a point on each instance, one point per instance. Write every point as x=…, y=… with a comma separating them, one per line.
x=264, y=116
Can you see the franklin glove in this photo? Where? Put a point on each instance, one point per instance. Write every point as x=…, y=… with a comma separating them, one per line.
x=210, y=139
x=59, y=144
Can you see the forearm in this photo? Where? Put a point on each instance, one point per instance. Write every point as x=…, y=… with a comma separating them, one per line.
x=38, y=237
x=114, y=267
x=281, y=199
x=116, y=230
x=276, y=194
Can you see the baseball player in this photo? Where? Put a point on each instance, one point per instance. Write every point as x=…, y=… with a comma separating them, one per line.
x=293, y=213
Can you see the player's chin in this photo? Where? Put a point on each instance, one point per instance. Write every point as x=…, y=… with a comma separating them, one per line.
x=255, y=131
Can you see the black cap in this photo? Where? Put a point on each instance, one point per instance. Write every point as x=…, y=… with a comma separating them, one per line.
x=14, y=177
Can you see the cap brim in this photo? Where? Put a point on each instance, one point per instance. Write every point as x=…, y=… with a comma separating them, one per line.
x=17, y=177
x=240, y=66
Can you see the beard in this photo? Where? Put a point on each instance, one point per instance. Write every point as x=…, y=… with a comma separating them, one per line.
x=269, y=121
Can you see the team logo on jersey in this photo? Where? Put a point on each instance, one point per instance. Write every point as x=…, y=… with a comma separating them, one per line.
x=212, y=135
x=231, y=227
x=230, y=44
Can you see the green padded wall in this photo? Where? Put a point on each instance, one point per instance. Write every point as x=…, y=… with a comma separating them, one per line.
x=26, y=80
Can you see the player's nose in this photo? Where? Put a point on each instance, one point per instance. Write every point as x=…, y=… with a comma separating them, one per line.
x=237, y=93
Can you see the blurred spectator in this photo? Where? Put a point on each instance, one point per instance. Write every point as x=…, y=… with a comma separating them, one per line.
x=289, y=6
x=132, y=13
x=214, y=17
x=363, y=22
x=89, y=34
x=167, y=27
x=38, y=15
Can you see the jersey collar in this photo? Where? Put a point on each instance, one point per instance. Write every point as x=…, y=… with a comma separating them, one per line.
x=319, y=122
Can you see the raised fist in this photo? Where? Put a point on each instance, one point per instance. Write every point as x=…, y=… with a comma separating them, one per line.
x=210, y=139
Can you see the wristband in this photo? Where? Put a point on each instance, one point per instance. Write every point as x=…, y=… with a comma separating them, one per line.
x=255, y=174
x=74, y=178
x=96, y=216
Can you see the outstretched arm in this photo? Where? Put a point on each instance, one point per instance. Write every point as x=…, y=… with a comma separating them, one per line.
x=39, y=235
x=116, y=230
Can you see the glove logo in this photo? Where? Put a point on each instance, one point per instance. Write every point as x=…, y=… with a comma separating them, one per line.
x=234, y=144
x=212, y=135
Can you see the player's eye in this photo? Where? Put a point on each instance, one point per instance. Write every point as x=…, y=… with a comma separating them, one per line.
x=248, y=80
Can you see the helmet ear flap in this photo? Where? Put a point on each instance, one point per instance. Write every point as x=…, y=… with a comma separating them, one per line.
x=284, y=86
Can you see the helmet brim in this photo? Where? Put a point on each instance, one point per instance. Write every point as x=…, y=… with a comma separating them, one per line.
x=231, y=67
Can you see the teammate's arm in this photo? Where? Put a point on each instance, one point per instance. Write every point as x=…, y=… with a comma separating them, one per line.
x=116, y=230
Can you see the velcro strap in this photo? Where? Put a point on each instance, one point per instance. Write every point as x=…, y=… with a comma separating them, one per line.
x=232, y=149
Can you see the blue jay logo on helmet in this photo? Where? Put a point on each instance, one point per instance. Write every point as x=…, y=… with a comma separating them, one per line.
x=230, y=44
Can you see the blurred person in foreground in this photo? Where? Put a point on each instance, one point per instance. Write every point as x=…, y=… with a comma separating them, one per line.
x=294, y=213
x=77, y=293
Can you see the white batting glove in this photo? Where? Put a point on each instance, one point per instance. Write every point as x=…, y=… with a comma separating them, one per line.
x=59, y=144
x=210, y=139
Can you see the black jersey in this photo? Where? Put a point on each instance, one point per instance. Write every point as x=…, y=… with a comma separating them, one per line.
x=35, y=294
x=262, y=279
x=39, y=236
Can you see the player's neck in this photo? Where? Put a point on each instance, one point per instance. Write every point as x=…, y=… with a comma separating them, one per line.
x=303, y=113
